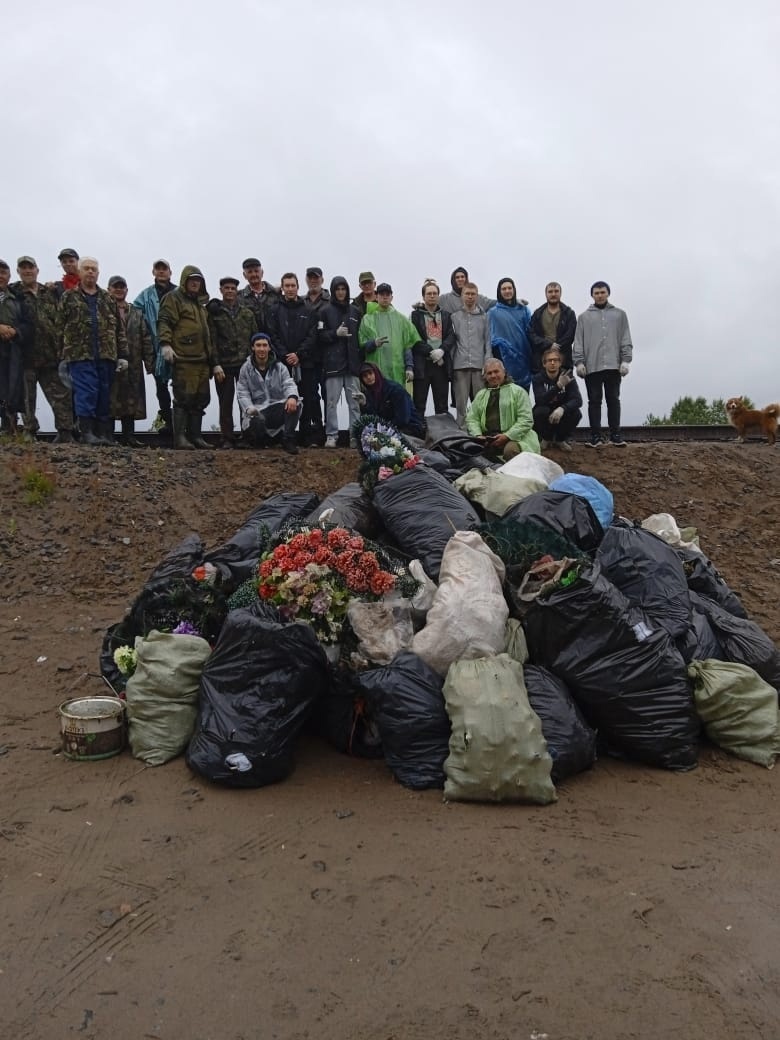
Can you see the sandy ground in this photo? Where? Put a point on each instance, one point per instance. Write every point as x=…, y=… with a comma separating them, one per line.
x=145, y=903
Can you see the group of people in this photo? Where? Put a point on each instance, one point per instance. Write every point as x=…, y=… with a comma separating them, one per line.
x=282, y=352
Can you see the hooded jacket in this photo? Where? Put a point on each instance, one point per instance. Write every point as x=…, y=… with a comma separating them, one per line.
x=183, y=324
x=390, y=401
x=340, y=354
x=509, y=322
x=451, y=301
x=516, y=417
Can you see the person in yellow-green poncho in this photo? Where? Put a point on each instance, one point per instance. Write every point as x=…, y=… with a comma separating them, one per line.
x=386, y=338
x=500, y=416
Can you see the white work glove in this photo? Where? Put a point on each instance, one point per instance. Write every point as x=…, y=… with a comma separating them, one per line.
x=167, y=353
x=556, y=415
x=251, y=410
x=122, y=364
x=624, y=368
x=342, y=330
x=564, y=379
x=437, y=356
x=409, y=375
x=359, y=397
x=581, y=370
x=218, y=373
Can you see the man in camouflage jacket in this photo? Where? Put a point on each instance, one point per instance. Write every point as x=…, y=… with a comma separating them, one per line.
x=94, y=345
x=11, y=339
x=42, y=352
x=185, y=343
x=231, y=325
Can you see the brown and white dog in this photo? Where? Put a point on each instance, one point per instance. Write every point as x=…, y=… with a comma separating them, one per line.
x=763, y=420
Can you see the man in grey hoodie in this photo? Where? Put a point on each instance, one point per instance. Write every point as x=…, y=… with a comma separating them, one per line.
x=453, y=301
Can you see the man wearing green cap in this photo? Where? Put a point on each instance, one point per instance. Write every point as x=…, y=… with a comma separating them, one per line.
x=366, y=300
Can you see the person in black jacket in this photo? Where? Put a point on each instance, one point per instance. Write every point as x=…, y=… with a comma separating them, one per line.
x=293, y=329
x=433, y=354
x=340, y=358
x=557, y=402
x=552, y=325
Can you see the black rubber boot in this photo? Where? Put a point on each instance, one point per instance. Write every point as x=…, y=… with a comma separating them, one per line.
x=87, y=432
x=63, y=437
x=128, y=434
x=180, y=438
x=105, y=432
x=196, y=422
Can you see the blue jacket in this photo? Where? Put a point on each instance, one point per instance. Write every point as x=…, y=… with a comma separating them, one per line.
x=509, y=340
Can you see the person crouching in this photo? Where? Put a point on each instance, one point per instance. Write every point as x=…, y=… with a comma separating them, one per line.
x=268, y=398
x=500, y=416
x=557, y=402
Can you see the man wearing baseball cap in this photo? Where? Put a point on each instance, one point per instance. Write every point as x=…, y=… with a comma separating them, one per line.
x=387, y=338
x=42, y=353
x=258, y=294
x=69, y=259
x=366, y=300
x=231, y=325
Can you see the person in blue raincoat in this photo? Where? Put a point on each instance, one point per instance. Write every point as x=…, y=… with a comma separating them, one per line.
x=509, y=321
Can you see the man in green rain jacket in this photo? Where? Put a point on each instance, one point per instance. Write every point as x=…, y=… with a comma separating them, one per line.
x=386, y=338
x=185, y=343
x=500, y=416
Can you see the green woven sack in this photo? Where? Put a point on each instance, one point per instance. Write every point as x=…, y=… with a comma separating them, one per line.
x=738, y=709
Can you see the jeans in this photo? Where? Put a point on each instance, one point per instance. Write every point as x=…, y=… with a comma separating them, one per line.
x=333, y=388
x=92, y=388
x=604, y=384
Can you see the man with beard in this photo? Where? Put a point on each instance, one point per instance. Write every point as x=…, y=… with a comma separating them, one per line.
x=293, y=330
x=41, y=354
x=185, y=343
x=552, y=325
x=148, y=302
x=231, y=325
x=128, y=390
x=509, y=321
x=340, y=359
x=94, y=345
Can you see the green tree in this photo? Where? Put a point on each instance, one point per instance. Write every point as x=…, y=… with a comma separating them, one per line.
x=694, y=411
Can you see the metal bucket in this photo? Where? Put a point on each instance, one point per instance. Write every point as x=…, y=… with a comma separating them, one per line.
x=92, y=728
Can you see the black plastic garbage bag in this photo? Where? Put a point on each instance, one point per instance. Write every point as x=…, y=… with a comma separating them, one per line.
x=703, y=578
x=463, y=453
x=569, y=515
x=570, y=740
x=435, y=460
x=649, y=573
x=344, y=719
x=167, y=596
x=407, y=702
x=236, y=559
x=622, y=670
x=743, y=641
x=423, y=510
x=699, y=642
x=351, y=507
x=257, y=689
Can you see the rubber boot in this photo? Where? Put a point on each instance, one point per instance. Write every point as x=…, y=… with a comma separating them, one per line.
x=128, y=434
x=87, y=432
x=63, y=437
x=196, y=423
x=105, y=432
x=180, y=439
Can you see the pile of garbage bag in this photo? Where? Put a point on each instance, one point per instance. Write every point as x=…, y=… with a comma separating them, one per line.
x=533, y=630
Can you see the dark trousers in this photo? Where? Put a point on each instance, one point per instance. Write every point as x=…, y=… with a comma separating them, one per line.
x=436, y=380
x=12, y=377
x=311, y=416
x=560, y=431
x=92, y=388
x=271, y=418
x=163, y=398
x=226, y=393
x=600, y=385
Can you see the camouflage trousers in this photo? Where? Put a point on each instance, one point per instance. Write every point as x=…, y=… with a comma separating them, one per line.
x=190, y=385
x=58, y=396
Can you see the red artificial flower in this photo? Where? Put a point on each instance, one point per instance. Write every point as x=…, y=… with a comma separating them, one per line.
x=266, y=591
x=315, y=537
x=369, y=563
x=323, y=555
x=337, y=538
x=265, y=568
x=382, y=582
x=297, y=543
x=356, y=543
x=199, y=574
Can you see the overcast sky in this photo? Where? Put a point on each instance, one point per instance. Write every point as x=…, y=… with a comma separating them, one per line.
x=638, y=144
